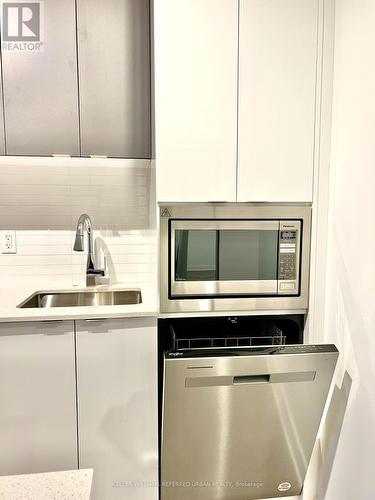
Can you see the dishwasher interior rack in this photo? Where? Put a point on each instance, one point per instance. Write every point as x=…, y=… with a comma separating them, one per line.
x=275, y=338
x=178, y=334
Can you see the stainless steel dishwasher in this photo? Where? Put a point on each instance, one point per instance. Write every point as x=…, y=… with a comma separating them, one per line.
x=241, y=423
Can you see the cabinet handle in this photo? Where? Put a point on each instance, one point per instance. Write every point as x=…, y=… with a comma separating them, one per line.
x=52, y=321
x=48, y=327
x=95, y=320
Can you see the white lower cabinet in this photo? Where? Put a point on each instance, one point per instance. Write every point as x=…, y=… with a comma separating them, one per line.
x=117, y=406
x=111, y=372
x=38, y=430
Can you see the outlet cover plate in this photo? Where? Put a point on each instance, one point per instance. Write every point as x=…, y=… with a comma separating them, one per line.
x=8, y=241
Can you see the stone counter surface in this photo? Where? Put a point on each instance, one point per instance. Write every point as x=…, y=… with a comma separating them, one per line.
x=73, y=485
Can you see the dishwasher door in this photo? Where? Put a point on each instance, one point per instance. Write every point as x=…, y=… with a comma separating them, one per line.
x=242, y=424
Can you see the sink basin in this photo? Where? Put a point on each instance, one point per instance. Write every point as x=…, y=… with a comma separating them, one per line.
x=83, y=298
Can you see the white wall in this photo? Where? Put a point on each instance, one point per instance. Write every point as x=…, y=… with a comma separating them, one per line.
x=345, y=457
x=42, y=198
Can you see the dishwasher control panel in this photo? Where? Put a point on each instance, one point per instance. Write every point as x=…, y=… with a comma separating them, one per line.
x=305, y=349
x=252, y=351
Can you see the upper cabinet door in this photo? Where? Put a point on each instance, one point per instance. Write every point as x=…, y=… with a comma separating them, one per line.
x=195, y=99
x=40, y=78
x=2, y=129
x=278, y=53
x=114, y=76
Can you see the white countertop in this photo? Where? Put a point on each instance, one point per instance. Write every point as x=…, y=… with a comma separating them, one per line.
x=47, y=486
x=11, y=297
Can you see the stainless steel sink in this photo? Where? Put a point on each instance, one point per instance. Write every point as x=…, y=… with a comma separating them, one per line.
x=83, y=298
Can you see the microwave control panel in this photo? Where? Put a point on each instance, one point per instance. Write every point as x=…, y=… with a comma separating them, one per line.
x=289, y=243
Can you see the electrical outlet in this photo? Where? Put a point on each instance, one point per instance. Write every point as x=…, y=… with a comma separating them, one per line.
x=8, y=241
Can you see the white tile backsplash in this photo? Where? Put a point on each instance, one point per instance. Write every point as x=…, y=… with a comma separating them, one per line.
x=42, y=198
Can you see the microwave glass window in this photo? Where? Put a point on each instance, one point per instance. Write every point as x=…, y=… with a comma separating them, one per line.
x=226, y=255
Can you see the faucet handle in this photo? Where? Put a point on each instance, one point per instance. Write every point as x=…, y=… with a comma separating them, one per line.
x=92, y=274
x=95, y=272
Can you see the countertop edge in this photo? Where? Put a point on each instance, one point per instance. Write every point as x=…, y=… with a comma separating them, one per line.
x=77, y=316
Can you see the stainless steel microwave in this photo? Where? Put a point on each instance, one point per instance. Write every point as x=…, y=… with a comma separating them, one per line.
x=234, y=257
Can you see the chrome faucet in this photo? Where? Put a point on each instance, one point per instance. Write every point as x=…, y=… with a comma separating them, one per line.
x=84, y=222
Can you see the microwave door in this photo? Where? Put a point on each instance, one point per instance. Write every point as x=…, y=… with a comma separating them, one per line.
x=223, y=258
x=242, y=425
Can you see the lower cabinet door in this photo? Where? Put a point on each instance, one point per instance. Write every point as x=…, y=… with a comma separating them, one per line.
x=117, y=406
x=37, y=397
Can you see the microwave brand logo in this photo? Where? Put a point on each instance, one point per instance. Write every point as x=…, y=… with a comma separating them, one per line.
x=166, y=213
x=22, y=26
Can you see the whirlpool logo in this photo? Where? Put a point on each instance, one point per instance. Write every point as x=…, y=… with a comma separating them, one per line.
x=22, y=26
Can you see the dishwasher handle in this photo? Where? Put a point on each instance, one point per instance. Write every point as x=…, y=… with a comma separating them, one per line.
x=251, y=379
x=269, y=378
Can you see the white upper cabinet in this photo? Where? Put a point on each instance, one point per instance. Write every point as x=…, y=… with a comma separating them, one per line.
x=114, y=77
x=277, y=87
x=40, y=86
x=2, y=130
x=76, y=78
x=207, y=51
x=195, y=99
